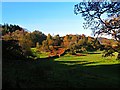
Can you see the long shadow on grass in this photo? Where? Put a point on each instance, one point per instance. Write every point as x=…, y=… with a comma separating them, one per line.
x=46, y=73
x=76, y=62
x=93, y=53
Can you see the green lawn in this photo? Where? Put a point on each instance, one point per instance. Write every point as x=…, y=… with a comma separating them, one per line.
x=88, y=60
x=39, y=54
x=90, y=71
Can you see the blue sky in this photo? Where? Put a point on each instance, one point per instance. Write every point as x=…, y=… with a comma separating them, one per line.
x=48, y=17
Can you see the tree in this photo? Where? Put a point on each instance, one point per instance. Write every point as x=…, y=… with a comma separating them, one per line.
x=37, y=36
x=49, y=36
x=45, y=46
x=16, y=34
x=72, y=49
x=102, y=18
x=37, y=45
x=66, y=41
x=11, y=49
x=6, y=28
x=57, y=40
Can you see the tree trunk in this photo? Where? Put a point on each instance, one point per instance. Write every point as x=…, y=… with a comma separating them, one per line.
x=118, y=57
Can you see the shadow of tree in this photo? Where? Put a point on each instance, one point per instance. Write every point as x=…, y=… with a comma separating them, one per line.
x=47, y=73
x=93, y=53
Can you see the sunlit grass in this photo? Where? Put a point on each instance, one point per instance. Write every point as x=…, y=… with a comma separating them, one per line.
x=88, y=60
x=39, y=54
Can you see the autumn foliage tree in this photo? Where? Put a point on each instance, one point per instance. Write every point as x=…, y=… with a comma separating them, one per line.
x=13, y=34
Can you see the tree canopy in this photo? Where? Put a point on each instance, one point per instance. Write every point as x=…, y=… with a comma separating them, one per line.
x=101, y=17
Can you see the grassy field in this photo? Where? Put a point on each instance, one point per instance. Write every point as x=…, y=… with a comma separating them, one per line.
x=88, y=60
x=90, y=71
x=39, y=54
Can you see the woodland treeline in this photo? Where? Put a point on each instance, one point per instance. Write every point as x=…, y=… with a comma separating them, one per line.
x=17, y=42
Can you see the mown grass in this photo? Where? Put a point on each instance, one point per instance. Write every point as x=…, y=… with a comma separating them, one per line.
x=90, y=71
x=89, y=59
x=39, y=54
